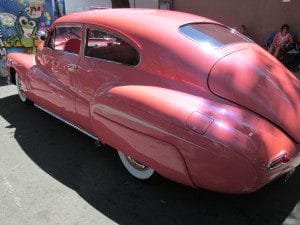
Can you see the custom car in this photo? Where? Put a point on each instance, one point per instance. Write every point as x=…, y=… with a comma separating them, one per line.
x=175, y=94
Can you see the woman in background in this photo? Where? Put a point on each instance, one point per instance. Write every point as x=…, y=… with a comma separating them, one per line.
x=282, y=40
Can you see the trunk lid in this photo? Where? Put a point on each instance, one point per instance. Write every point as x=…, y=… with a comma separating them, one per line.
x=254, y=79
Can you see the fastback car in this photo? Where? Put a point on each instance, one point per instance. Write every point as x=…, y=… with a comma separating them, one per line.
x=174, y=93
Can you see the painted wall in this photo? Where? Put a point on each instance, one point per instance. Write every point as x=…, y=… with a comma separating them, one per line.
x=151, y=4
x=79, y=5
x=20, y=20
x=260, y=16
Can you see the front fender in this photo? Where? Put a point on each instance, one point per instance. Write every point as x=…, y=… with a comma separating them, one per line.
x=22, y=64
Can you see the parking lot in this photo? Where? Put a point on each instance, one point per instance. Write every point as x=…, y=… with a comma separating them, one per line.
x=52, y=174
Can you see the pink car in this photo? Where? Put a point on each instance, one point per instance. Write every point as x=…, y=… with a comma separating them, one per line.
x=174, y=93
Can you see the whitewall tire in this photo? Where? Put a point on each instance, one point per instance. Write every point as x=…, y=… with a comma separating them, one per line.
x=20, y=89
x=135, y=168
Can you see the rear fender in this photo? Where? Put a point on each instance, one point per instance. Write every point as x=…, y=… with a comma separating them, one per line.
x=143, y=121
x=163, y=157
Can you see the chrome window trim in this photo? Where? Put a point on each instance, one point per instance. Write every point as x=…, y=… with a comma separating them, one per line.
x=64, y=26
x=217, y=24
x=127, y=40
x=46, y=43
x=67, y=25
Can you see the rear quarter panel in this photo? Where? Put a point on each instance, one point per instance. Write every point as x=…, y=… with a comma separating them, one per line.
x=141, y=119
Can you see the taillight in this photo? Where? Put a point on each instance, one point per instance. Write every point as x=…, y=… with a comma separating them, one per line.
x=278, y=161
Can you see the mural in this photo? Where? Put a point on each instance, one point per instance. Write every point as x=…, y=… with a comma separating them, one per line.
x=20, y=20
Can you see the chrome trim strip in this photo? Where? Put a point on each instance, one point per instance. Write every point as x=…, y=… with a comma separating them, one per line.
x=104, y=108
x=66, y=122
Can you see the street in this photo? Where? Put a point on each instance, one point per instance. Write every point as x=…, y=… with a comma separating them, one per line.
x=52, y=174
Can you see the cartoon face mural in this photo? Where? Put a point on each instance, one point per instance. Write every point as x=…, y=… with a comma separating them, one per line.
x=19, y=22
x=27, y=30
x=35, y=8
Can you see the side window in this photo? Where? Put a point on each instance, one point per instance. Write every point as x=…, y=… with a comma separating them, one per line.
x=103, y=45
x=50, y=40
x=67, y=39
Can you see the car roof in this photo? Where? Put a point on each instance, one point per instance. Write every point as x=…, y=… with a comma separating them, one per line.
x=135, y=21
x=154, y=32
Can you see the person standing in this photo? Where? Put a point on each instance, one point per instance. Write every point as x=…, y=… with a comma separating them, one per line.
x=281, y=41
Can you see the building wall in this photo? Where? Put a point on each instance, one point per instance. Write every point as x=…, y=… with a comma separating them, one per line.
x=79, y=5
x=152, y=4
x=260, y=16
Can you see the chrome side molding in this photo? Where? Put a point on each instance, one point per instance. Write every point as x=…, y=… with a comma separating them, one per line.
x=67, y=122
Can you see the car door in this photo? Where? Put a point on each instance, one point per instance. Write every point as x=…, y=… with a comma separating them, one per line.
x=106, y=59
x=54, y=82
x=42, y=83
x=64, y=67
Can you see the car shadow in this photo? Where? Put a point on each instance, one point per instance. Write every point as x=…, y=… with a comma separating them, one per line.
x=97, y=175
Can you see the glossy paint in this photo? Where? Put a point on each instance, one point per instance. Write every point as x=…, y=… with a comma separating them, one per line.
x=200, y=116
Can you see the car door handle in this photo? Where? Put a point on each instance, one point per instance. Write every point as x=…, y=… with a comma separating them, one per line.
x=72, y=67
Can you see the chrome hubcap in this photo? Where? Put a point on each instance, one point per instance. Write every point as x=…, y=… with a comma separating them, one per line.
x=135, y=168
x=137, y=165
x=21, y=90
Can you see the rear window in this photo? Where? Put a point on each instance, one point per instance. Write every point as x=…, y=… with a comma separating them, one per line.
x=213, y=34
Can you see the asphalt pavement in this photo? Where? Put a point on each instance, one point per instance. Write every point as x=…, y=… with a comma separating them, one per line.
x=52, y=174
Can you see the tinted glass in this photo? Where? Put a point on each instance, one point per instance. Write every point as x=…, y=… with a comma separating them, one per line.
x=213, y=34
x=68, y=39
x=103, y=45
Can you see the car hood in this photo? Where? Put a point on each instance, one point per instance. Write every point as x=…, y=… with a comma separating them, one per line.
x=254, y=79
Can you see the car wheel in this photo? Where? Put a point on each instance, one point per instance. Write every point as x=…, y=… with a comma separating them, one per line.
x=135, y=168
x=21, y=92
